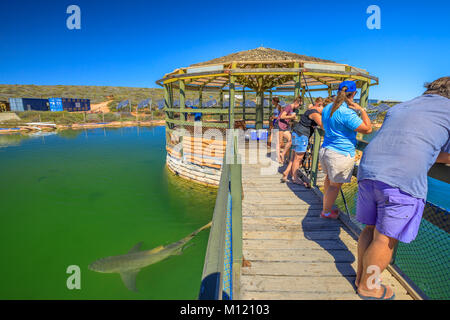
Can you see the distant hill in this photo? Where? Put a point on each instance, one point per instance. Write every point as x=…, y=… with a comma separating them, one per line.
x=96, y=94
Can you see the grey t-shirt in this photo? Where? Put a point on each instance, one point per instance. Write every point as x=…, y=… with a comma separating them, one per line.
x=408, y=143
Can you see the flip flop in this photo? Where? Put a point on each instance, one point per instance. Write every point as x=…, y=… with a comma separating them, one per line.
x=380, y=298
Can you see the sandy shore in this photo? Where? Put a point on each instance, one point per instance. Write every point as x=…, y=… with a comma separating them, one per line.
x=77, y=126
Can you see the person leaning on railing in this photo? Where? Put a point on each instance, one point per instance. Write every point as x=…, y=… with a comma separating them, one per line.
x=392, y=179
x=337, y=155
x=301, y=132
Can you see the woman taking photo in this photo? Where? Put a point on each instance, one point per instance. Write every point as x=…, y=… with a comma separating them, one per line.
x=337, y=155
x=301, y=132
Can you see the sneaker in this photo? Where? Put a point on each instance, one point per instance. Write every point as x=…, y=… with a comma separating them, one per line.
x=334, y=214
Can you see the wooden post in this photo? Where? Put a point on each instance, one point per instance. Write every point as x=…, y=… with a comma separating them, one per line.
x=303, y=96
x=259, y=110
x=166, y=97
x=103, y=116
x=200, y=97
x=243, y=103
x=232, y=103
x=221, y=103
x=298, y=85
x=364, y=99
x=170, y=95
x=315, y=158
x=167, y=105
x=270, y=103
x=182, y=98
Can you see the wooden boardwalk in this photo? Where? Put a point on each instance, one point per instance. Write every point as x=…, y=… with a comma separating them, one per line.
x=290, y=252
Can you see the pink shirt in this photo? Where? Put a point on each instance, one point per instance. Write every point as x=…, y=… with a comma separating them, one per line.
x=283, y=124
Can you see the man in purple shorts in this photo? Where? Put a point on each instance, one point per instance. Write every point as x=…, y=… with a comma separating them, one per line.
x=392, y=180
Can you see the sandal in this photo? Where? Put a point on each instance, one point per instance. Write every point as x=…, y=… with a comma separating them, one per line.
x=380, y=298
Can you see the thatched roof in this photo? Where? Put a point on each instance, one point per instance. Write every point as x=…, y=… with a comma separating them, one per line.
x=261, y=54
x=263, y=69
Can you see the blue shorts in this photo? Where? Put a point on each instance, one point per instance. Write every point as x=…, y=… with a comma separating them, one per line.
x=299, y=143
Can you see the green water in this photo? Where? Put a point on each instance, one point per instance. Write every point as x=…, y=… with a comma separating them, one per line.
x=75, y=197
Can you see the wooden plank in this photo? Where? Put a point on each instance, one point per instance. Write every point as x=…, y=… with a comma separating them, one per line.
x=251, y=207
x=269, y=187
x=291, y=235
x=305, y=269
x=286, y=221
x=333, y=285
x=283, y=213
x=281, y=197
x=291, y=201
x=276, y=188
x=311, y=226
x=274, y=295
x=294, y=244
x=299, y=255
x=299, y=211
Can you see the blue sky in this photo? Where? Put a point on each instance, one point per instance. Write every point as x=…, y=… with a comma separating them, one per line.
x=135, y=42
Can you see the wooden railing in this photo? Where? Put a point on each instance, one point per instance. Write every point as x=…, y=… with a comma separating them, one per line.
x=223, y=260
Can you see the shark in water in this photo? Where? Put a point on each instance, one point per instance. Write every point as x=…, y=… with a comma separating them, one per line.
x=128, y=265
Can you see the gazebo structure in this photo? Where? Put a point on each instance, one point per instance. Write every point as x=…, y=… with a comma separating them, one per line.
x=259, y=72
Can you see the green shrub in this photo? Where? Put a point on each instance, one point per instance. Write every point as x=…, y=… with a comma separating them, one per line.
x=110, y=117
x=11, y=123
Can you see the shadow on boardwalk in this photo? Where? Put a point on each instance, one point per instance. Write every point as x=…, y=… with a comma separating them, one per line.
x=326, y=233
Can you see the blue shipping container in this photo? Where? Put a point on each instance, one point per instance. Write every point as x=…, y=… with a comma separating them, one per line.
x=16, y=104
x=71, y=104
x=55, y=104
x=30, y=104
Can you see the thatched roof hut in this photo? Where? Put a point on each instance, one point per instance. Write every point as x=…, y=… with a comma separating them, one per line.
x=260, y=70
x=263, y=69
x=261, y=54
